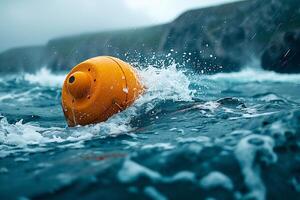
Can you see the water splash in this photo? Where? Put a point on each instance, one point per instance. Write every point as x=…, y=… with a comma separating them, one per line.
x=162, y=84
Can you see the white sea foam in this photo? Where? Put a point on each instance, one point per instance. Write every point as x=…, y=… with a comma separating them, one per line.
x=159, y=145
x=216, y=179
x=253, y=115
x=45, y=77
x=271, y=97
x=186, y=176
x=22, y=134
x=26, y=137
x=131, y=171
x=247, y=152
x=254, y=75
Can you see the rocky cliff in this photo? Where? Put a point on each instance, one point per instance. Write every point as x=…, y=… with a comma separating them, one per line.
x=227, y=37
x=221, y=38
x=283, y=53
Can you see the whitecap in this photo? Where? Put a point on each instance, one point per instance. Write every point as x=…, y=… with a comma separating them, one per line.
x=159, y=145
x=216, y=179
x=254, y=75
x=131, y=171
x=246, y=153
x=45, y=77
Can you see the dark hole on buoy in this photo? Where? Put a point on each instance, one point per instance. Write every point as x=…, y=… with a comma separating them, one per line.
x=71, y=79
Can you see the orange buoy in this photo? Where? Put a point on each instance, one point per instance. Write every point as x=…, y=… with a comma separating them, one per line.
x=98, y=88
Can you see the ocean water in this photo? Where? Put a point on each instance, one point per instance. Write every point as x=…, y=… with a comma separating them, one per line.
x=190, y=136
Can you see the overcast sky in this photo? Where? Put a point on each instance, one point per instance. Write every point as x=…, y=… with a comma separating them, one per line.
x=33, y=22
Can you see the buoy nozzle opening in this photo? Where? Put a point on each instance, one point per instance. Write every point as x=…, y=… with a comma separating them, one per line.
x=79, y=84
x=71, y=79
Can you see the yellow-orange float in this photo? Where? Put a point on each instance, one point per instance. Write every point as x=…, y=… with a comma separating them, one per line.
x=98, y=88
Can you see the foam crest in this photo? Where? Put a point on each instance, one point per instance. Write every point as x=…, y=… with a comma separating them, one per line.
x=21, y=134
x=251, y=151
x=45, y=77
x=254, y=75
x=28, y=137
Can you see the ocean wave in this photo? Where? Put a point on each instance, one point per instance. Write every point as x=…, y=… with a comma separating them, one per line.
x=171, y=78
x=162, y=84
x=254, y=75
x=30, y=137
x=45, y=77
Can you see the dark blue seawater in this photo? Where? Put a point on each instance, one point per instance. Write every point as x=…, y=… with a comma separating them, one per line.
x=223, y=136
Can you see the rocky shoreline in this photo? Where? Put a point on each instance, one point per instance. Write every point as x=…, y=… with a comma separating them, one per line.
x=223, y=38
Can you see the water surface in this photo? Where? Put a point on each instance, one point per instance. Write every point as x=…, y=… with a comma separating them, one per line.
x=190, y=136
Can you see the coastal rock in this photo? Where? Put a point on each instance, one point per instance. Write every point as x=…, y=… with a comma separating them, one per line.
x=221, y=38
x=227, y=37
x=283, y=54
x=27, y=59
